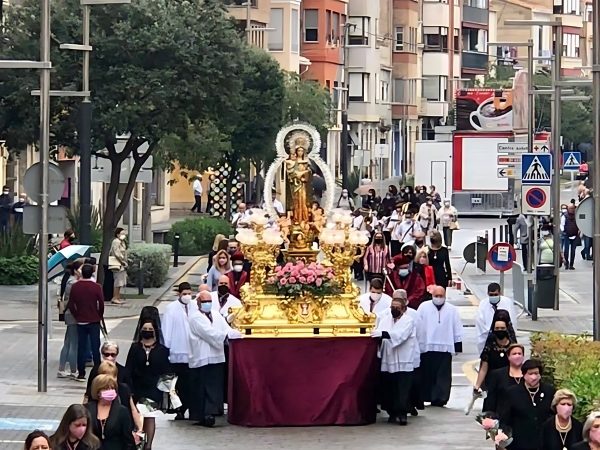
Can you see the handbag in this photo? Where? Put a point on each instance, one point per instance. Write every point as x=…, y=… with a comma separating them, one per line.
x=114, y=265
x=454, y=225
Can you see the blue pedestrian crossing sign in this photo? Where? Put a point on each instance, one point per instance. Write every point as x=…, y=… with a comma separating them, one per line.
x=536, y=168
x=571, y=160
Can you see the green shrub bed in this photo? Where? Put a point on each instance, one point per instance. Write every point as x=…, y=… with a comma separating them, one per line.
x=155, y=260
x=19, y=270
x=196, y=235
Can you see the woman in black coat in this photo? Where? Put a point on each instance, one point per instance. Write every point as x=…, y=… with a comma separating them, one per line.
x=500, y=380
x=561, y=431
x=439, y=259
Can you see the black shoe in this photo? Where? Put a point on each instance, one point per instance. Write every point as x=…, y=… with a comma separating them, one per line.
x=403, y=420
x=180, y=415
x=414, y=412
x=571, y=268
x=582, y=254
x=438, y=404
x=209, y=421
x=392, y=419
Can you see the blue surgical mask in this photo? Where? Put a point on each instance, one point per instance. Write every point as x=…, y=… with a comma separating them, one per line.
x=206, y=307
x=404, y=272
x=494, y=299
x=438, y=301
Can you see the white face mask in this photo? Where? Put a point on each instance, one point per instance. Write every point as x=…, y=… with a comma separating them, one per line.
x=404, y=272
x=376, y=296
x=238, y=268
x=438, y=301
x=545, y=233
x=122, y=237
x=186, y=299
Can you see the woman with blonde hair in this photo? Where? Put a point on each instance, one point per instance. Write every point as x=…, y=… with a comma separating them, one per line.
x=221, y=266
x=215, y=248
x=591, y=433
x=561, y=431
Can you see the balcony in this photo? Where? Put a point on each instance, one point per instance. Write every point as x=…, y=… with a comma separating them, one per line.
x=475, y=61
x=475, y=15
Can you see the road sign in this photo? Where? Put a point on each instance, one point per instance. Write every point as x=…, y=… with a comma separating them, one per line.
x=502, y=256
x=513, y=147
x=535, y=200
x=536, y=169
x=584, y=216
x=32, y=219
x=32, y=182
x=506, y=160
x=541, y=147
x=507, y=172
x=101, y=171
x=381, y=151
x=571, y=160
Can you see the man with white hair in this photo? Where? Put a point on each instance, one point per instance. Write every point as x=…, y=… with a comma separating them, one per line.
x=441, y=339
x=208, y=332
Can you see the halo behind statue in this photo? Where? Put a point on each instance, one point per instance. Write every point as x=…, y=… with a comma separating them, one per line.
x=288, y=140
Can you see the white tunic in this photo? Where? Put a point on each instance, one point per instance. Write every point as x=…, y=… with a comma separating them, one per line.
x=441, y=328
x=232, y=302
x=485, y=315
x=414, y=315
x=207, y=340
x=397, y=353
x=381, y=306
x=176, y=331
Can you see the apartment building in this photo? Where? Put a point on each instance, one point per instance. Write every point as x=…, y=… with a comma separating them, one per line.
x=321, y=44
x=474, y=34
x=369, y=84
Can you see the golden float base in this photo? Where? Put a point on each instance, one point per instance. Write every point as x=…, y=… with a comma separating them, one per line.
x=271, y=315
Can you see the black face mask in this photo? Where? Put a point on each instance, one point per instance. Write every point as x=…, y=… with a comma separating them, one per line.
x=379, y=240
x=396, y=312
x=419, y=243
x=223, y=290
x=501, y=334
x=71, y=238
x=147, y=334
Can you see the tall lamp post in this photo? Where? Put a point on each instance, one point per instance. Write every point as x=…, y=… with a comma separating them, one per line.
x=596, y=173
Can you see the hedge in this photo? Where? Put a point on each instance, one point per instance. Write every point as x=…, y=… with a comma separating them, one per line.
x=571, y=362
x=19, y=270
x=155, y=260
x=196, y=235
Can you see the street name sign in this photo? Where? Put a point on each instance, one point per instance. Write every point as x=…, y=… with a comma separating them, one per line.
x=507, y=172
x=507, y=160
x=513, y=147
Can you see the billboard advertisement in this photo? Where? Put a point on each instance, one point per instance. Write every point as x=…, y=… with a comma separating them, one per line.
x=486, y=110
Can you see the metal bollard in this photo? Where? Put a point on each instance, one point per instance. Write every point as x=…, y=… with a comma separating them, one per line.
x=141, y=280
x=493, y=236
x=176, y=250
x=507, y=234
x=502, y=234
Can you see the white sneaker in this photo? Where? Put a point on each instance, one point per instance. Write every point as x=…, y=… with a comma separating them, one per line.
x=63, y=374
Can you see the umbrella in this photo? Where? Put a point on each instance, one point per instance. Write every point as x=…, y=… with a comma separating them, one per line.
x=58, y=261
x=364, y=189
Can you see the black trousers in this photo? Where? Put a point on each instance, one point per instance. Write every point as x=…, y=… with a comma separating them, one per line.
x=395, y=247
x=396, y=400
x=416, y=398
x=184, y=384
x=525, y=255
x=207, y=387
x=436, y=369
x=447, y=232
x=198, y=203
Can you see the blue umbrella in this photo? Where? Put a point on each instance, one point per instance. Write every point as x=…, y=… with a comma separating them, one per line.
x=58, y=261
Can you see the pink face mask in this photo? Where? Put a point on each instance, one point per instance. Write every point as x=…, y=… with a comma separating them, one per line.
x=564, y=411
x=516, y=360
x=595, y=435
x=78, y=431
x=109, y=395
x=532, y=379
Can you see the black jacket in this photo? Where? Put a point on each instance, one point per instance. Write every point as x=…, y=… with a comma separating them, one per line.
x=581, y=446
x=117, y=430
x=497, y=383
x=523, y=417
x=123, y=376
x=64, y=446
x=550, y=438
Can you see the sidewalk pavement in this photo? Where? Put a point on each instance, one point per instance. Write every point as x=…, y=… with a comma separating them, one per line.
x=575, y=314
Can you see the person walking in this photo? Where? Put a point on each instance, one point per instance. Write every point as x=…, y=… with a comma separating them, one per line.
x=546, y=245
x=118, y=264
x=345, y=201
x=147, y=361
x=591, y=433
x=37, y=440
x=74, y=431
x=500, y=380
x=426, y=216
x=376, y=257
x=561, y=431
x=487, y=309
x=68, y=239
x=6, y=202
x=572, y=238
x=68, y=353
x=221, y=266
x=86, y=303
x=448, y=218
x=197, y=190
x=523, y=228
x=439, y=260
x=17, y=210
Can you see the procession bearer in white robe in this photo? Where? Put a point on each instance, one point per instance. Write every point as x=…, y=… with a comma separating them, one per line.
x=397, y=331
x=375, y=301
x=176, y=333
x=207, y=359
x=487, y=308
x=416, y=400
x=441, y=339
x=223, y=300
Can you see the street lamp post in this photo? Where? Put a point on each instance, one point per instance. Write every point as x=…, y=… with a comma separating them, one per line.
x=596, y=172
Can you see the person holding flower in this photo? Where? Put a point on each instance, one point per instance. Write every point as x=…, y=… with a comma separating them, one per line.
x=561, y=431
x=591, y=433
x=500, y=380
x=528, y=405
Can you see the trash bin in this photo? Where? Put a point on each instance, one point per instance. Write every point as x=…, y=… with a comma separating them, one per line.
x=545, y=285
x=482, y=252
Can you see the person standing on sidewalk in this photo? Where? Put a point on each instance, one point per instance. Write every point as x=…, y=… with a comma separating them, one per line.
x=523, y=227
x=5, y=208
x=86, y=303
x=118, y=264
x=487, y=308
x=68, y=353
x=572, y=238
x=448, y=218
x=176, y=332
x=197, y=188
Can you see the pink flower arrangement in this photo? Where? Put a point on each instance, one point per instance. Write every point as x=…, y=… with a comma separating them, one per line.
x=489, y=424
x=293, y=279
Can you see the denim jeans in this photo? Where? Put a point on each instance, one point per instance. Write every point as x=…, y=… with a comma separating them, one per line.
x=68, y=354
x=89, y=331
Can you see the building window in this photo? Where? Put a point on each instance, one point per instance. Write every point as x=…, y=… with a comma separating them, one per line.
x=311, y=25
x=405, y=91
x=276, y=33
x=400, y=91
x=335, y=28
x=481, y=4
x=571, y=45
x=567, y=7
x=474, y=40
x=358, y=87
x=329, y=34
x=384, y=86
x=157, y=187
x=435, y=38
x=588, y=13
x=399, y=39
x=295, y=31
x=434, y=88
x=358, y=32
x=456, y=42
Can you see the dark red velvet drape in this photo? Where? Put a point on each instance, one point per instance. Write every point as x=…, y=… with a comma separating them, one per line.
x=302, y=382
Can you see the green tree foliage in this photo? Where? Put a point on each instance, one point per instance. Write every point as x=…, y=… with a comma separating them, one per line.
x=307, y=101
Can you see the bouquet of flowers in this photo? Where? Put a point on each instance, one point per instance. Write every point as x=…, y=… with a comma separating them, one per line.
x=502, y=437
x=295, y=279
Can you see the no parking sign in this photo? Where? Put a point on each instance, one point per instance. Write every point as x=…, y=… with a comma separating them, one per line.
x=535, y=200
x=502, y=256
